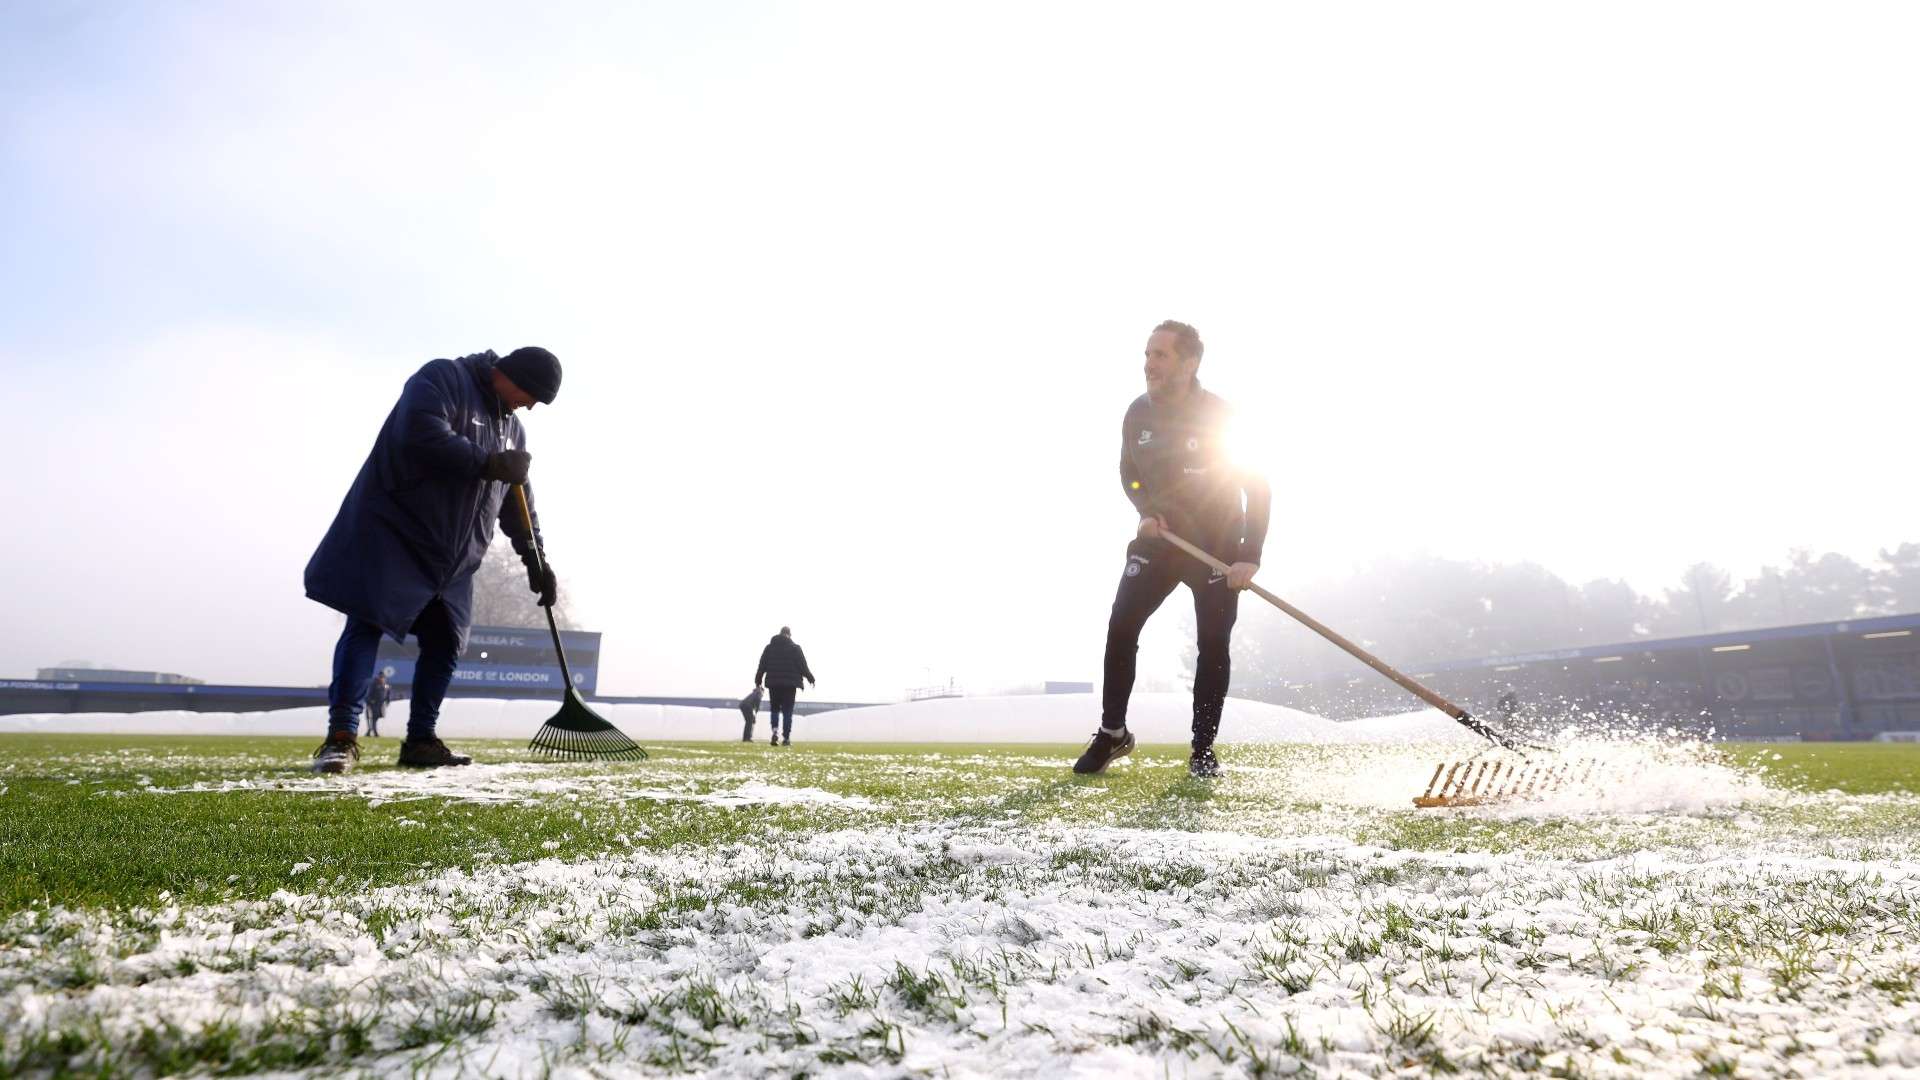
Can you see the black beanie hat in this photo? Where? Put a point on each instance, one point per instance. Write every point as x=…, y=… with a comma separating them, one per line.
x=534, y=370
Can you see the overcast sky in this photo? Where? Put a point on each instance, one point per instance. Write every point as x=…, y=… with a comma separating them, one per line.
x=851, y=299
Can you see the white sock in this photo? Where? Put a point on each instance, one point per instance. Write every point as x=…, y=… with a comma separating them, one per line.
x=1114, y=732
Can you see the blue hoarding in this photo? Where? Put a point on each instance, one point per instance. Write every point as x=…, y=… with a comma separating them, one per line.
x=507, y=658
x=400, y=673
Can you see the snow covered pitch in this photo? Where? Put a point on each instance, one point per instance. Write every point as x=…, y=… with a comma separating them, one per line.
x=201, y=904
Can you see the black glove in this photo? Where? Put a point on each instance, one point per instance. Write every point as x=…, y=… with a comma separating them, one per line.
x=541, y=581
x=507, y=466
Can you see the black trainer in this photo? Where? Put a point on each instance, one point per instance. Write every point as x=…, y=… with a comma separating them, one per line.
x=338, y=754
x=1103, y=751
x=1203, y=764
x=429, y=754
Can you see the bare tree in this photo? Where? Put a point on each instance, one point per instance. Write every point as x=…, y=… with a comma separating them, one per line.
x=1611, y=612
x=1896, y=584
x=1703, y=604
x=501, y=596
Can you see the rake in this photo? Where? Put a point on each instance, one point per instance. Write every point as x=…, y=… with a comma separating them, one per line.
x=1459, y=783
x=1512, y=781
x=576, y=731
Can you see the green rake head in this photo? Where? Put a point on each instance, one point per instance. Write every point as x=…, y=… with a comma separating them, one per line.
x=576, y=731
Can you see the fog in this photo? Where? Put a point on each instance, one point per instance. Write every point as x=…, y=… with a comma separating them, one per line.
x=851, y=300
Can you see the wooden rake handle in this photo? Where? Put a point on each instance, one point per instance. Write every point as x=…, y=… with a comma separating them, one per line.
x=1406, y=682
x=526, y=519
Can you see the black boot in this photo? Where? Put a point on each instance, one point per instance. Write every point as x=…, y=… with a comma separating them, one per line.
x=1203, y=764
x=429, y=754
x=338, y=754
x=1103, y=751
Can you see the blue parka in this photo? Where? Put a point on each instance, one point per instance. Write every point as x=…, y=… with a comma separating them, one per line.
x=419, y=517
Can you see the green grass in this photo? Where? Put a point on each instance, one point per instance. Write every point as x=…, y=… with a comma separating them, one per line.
x=1855, y=768
x=989, y=878
x=77, y=828
x=80, y=828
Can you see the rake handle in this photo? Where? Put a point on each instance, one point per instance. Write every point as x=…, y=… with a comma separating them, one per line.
x=540, y=563
x=1406, y=682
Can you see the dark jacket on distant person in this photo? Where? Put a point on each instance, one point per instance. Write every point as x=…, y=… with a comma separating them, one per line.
x=1174, y=461
x=420, y=516
x=782, y=664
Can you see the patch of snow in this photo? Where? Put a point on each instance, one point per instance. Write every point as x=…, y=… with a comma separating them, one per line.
x=522, y=783
x=1063, y=950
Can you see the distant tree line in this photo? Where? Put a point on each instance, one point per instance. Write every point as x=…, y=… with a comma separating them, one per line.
x=1423, y=609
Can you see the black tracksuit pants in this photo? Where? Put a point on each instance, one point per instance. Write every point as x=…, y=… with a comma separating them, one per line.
x=1154, y=567
x=780, y=711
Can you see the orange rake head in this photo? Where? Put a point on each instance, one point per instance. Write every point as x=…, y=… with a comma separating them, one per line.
x=1467, y=783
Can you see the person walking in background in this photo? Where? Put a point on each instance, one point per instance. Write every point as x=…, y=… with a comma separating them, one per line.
x=379, y=696
x=782, y=665
x=1176, y=469
x=400, y=555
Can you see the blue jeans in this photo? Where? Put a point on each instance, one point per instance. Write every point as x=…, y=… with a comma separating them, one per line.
x=357, y=651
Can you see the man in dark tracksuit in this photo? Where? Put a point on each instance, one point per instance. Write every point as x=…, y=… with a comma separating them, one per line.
x=782, y=665
x=1176, y=469
x=400, y=556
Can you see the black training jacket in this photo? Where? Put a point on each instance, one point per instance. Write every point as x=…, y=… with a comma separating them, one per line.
x=1174, y=461
x=782, y=663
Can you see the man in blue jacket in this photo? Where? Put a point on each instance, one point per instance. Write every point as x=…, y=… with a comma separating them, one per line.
x=400, y=556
